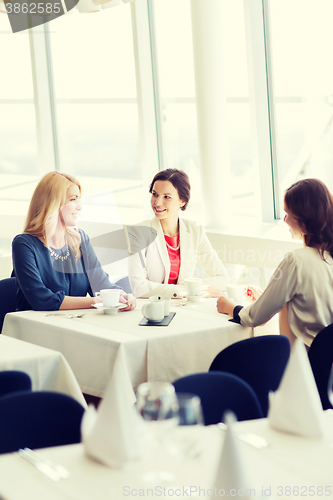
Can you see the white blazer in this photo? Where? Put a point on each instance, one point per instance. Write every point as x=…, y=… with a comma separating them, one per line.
x=149, y=274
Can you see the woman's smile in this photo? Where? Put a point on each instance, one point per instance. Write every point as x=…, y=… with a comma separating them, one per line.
x=165, y=200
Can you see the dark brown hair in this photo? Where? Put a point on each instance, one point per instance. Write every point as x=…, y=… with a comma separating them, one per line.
x=178, y=179
x=311, y=203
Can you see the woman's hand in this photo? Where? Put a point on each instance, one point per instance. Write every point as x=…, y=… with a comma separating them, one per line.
x=96, y=300
x=253, y=293
x=71, y=302
x=129, y=299
x=225, y=306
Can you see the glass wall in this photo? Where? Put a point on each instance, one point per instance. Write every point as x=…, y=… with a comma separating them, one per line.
x=18, y=136
x=242, y=169
x=175, y=79
x=97, y=78
x=302, y=90
x=177, y=102
x=96, y=112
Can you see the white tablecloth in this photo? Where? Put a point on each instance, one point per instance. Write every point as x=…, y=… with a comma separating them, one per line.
x=289, y=467
x=91, y=344
x=48, y=370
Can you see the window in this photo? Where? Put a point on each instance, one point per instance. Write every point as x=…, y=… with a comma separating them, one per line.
x=172, y=39
x=174, y=79
x=302, y=90
x=95, y=82
x=243, y=176
x=96, y=106
x=18, y=137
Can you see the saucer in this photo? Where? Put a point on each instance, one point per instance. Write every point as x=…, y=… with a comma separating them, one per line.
x=194, y=298
x=154, y=320
x=109, y=310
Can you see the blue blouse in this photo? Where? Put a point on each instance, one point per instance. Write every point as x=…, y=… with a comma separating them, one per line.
x=44, y=280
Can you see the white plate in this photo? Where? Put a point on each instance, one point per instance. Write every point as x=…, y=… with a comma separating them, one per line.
x=101, y=307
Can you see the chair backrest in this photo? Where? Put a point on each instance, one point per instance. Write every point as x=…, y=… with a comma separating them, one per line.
x=124, y=283
x=260, y=361
x=220, y=392
x=38, y=420
x=321, y=358
x=8, y=298
x=14, y=381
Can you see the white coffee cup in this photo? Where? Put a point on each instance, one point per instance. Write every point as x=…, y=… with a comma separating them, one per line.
x=154, y=309
x=236, y=292
x=193, y=286
x=109, y=296
x=166, y=302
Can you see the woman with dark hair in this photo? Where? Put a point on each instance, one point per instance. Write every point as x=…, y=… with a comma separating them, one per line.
x=301, y=288
x=174, y=246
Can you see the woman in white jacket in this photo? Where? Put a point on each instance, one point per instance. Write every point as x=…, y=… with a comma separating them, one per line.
x=301, y=288
x=172, y=246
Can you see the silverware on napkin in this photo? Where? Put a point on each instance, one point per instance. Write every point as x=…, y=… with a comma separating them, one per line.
x=248, y=437
x=55, y=472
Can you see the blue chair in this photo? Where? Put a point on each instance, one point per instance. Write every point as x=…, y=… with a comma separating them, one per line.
x=8, y=298
x=124, y=283
x=14, y=381
x=321, y=358
x=220, y=392
x=38, y=420
x=260, y=361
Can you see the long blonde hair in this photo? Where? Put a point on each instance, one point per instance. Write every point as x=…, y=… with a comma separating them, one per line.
x=49, y=196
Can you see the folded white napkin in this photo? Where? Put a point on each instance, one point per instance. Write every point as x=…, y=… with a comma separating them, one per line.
x=295, y=407
x=110, y=434
x=231, y=472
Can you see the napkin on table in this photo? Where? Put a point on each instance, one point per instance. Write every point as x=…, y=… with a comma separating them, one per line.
x=231, y=472
x=296, y=407
x=110, y=434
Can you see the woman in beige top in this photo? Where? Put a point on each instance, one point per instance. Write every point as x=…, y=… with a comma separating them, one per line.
x=301, y=288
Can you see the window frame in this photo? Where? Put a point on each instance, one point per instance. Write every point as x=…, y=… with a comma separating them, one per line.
x=150, y=116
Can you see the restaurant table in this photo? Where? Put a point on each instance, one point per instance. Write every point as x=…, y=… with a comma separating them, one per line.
x=291, y=466
x=48, y=370
x=91, y=344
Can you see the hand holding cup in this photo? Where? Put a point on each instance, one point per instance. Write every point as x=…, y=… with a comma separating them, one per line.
x=109, y=296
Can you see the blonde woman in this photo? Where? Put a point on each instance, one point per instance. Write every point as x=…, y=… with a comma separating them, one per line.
x=54, y=263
